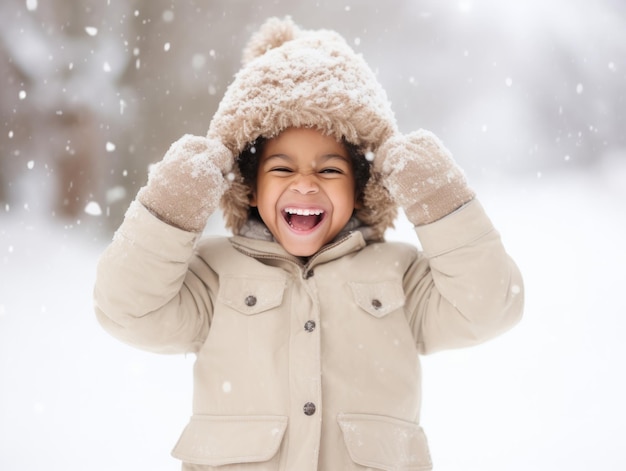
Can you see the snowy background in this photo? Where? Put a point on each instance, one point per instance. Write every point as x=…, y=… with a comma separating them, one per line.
x=531, y=98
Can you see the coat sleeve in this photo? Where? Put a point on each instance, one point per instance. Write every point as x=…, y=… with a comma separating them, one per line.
x=145, y=293
x=465, y=289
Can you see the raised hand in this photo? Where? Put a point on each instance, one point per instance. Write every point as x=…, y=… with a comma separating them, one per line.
x=421, y=176
x=185, y=188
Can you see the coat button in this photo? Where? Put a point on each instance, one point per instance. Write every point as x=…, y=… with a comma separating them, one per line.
x=309, y=408
x=250, y=300
x=309, y=326
x=376, y=304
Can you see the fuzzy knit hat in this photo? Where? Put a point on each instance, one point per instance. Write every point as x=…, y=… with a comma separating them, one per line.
x=299, y=78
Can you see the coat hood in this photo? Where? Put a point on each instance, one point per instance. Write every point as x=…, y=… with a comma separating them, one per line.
x=299, y=78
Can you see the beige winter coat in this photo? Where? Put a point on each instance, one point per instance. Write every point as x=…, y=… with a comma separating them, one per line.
x=306, y=367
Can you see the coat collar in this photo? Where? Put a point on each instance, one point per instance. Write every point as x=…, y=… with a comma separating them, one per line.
x=256, y=240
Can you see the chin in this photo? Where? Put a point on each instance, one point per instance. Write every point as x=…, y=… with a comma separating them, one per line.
x=301, y=249
x=302, y=252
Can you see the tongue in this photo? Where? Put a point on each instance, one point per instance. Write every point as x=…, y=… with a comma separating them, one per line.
x=303, y=223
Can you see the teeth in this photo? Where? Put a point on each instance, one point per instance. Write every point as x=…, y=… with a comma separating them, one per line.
x=304, y=212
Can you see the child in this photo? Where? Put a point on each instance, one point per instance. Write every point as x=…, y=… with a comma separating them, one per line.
x=306, y=325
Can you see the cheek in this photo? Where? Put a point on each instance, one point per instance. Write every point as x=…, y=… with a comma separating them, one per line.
x=264, y=196
x=254, y=191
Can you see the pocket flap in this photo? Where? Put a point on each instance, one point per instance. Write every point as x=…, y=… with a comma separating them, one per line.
x=219, y=440
x=379, y=298
x=385, y=443
x=251, y=295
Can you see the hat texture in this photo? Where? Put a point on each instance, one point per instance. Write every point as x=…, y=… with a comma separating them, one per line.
x=300, y=78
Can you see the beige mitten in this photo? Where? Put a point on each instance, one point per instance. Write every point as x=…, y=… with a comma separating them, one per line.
x=421, y=176
x=185, y=188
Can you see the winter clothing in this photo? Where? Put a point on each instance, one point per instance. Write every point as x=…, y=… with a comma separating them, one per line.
x=297, y=78
x=306, y=364
x=421, y=174
x=184, y=189
x=306, y=367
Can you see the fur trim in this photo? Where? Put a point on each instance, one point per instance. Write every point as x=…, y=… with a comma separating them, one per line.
x=379, y=210
x=298, y=78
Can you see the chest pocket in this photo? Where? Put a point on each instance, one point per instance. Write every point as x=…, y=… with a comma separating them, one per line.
x=380, y=298
x=249, y=295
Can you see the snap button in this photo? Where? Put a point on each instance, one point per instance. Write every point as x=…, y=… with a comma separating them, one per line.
x=250, y=300
x=309, y=408
x=309, y=326
x=376, y=304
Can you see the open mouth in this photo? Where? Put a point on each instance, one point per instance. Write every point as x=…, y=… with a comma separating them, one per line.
x=303, y=219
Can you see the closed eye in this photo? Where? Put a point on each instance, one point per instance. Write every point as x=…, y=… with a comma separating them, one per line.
x=332, y=171
x=281, y=169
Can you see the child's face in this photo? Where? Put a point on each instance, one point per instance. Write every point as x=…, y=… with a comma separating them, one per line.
x=305, y=189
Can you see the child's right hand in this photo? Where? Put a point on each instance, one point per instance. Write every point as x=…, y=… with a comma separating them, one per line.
x=185, y=188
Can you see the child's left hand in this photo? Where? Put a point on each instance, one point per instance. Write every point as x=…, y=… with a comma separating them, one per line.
x=421, y=176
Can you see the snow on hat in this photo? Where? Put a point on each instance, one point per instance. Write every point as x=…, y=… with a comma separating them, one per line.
x=300, y=78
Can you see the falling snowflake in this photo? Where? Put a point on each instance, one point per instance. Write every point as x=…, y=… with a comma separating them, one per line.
x=93, y=209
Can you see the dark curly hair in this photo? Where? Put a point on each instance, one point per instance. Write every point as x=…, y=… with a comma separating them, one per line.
x=248, y=163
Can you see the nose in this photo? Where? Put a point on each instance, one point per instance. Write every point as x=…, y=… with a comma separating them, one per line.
x=304, y=184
